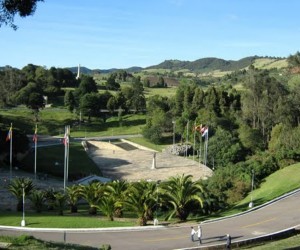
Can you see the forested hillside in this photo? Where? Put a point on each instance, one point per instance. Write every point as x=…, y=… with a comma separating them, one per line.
x=251, y=117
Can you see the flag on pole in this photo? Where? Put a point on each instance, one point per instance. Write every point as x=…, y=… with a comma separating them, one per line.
x=66, y=136
x=197, y=128
x=9, y=134
x=204, y=131
x=34, y=138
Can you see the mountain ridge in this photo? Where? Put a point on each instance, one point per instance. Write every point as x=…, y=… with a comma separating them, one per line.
x=198, y=66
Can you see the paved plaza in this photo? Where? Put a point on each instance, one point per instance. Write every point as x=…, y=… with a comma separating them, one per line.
x=123, y=160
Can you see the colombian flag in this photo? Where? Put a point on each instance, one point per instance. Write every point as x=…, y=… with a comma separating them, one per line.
x=9, y=134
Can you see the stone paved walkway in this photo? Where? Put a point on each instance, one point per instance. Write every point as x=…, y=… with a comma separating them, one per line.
x=135, y=164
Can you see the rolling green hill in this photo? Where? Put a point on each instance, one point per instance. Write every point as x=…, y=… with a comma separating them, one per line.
x=200, y=66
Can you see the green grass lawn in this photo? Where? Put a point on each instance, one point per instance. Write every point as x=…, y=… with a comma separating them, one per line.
x=25, y=242
x=52, y=122
x=50, y=219
x=50, y=160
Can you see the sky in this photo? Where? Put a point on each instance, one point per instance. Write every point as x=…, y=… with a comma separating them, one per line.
x=105, y=34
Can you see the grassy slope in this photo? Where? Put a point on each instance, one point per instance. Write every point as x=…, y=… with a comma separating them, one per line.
x=275, y=185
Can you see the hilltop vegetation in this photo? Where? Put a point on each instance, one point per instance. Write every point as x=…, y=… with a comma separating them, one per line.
x=200, y=66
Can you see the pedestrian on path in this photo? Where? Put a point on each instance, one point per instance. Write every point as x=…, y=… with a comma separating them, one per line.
x=193, y=232
x=199, y=233
x=228, y=242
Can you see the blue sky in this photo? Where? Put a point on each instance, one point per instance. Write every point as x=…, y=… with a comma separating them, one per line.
x=104, y=34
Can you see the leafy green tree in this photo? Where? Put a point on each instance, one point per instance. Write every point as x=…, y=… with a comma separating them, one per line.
x=87, y=85
x=153, y=133
x=90, y=105
x=251, y=139
x=111, y=104
x=16, y=188
x=11, y=80
x=180, y=192
x=70, y=100
x=11, y=8
x=294, y=60
x=224, y=148
x=111, y=83
x=32, y=96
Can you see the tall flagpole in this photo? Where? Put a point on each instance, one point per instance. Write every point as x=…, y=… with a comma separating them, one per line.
x=206, y=146
x=200, y=149
x=187, y=139
x=68, y=152
x=10, y=151
x=35, y=150
x=65, y=157
x=194, y=141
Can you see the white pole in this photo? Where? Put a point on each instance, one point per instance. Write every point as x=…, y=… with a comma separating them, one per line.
x=10, y=151
x=206, y=146
x=23, y=220
x=187, y=139
x=194, y=142
x=35, y=150
x=65, y=157
x=68, y=150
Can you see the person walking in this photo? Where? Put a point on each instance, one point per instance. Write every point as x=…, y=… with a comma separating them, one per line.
x=199, y=234
x=228, y=242
x=193, y=232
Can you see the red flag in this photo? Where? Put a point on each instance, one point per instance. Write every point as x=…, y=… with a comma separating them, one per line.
x=198, y=128
x=34, y=138
x=9, y=134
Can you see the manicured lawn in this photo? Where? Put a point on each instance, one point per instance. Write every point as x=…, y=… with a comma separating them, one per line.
x=48, y=219
x=50, y=160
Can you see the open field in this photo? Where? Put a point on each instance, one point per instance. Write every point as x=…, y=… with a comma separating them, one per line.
x=52, y=122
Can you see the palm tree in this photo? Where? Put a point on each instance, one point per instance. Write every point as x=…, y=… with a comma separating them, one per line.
x=139, y=199
x=116, y=189
x=60, y=202
x=92, y=193
x=73, y=194
x=37, y=199
x=180, y=192
x=107, y=206
x=16, y=188
x=50, y=198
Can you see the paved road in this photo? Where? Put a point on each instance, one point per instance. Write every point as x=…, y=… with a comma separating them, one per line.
x=269, y=219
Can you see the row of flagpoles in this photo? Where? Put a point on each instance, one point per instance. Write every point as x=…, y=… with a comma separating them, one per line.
x=203, y=131
x=66, y=142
